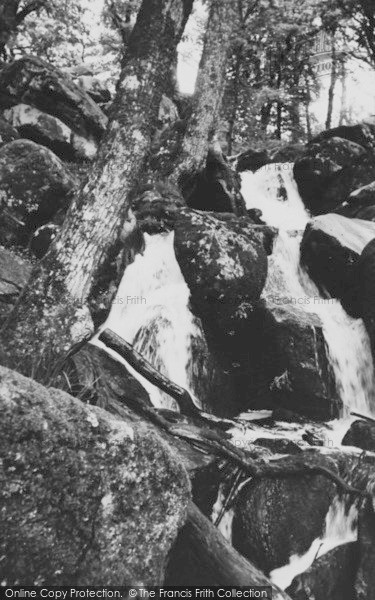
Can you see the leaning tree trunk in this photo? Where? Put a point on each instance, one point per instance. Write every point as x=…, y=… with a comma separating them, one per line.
x=52, y=313
x=201, y=128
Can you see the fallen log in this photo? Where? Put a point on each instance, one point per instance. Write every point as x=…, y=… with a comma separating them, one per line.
x=207, y=438
x=144, y=368
x=364, y=417
x=202, y=556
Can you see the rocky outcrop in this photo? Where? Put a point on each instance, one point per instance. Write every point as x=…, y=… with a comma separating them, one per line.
x=34, y=187
x=277, y=518
x=7, y=133
x=217, y=188
x=330, y=169
x=330, y=576
x=330, y=250
x=14, y=273
x=156, y=209
x=224, y=262
x=51, y=132
x=252, y=160
x=35, y=82
x=360, y=204
x=293, y=370
x=362, y=435
x=86, y=499
x=365, y=580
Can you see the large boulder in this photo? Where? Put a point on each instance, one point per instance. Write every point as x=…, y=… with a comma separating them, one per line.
x=365, y=581
x=223, y=259
x=360, y=204
x=86, y=499
x=293, y=370
x=361, y=434
x=216, y=188
x=34, y=186
x=277, y=518
x=252, y=160
x=330, y=170
x=361, y=133
x=330, y=576
x=33, y=81
x=7, y=133
x=14, y=273
x=365, y=277
x=49, y=131
x=330, y=250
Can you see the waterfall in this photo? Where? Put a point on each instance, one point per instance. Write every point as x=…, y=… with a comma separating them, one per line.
x=275, y=192
x=151, y=311
x=340, y=528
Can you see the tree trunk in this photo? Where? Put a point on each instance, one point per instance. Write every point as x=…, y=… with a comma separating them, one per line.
x=235, y=100
x=332, y=86
x=344, y=96
x=202, y=556
x=51, y=312
x=210, y=88
x=8, y=22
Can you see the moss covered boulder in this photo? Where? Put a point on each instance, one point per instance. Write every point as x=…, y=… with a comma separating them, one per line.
x=34, y=186
x=85, y=499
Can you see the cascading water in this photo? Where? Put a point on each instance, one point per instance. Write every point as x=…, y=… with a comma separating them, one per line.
x=340, y=528
x=274, y=191
x=151, y=311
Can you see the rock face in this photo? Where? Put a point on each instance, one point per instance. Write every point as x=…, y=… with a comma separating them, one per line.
x=330, y=576
x=330, y=250
x=362, y=435
x=365, y=274
x=275, y=519
x=14, y=273
x=35, y=82
x=86, y=499
x=327, y=173
x=49, y=131
x=7, y=133
x=224, y=262
x=293, y=367
x=365, y=581
x=252, y=160
x=335, y=164
x=217, y=188
x=34, y=187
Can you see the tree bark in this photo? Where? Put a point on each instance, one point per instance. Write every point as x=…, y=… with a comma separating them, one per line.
x=201, y=128
x=332, y=86
x=51, y=312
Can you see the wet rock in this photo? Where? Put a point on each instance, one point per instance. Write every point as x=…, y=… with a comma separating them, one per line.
x=98, y=378
x=279, y=445
x=330, y=250
x=293, y=368
x=224, y=262
x=330, y=576
x=289, y=153
x=34, y=187
x=33, y=81
x=329, y=171
x=252, y=160
x=217, y=188
x=362, y=435
x=361, y=133
x=86, y=499
x=365, y=581
x=7, y=133
x=276, y=518
x=365, y=273
x=14, y=273
x=156, y=209
x=51, y=132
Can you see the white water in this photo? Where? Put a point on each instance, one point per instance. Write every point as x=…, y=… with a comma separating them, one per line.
x=347, y=341
x=151, y=311
x=340, y=528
